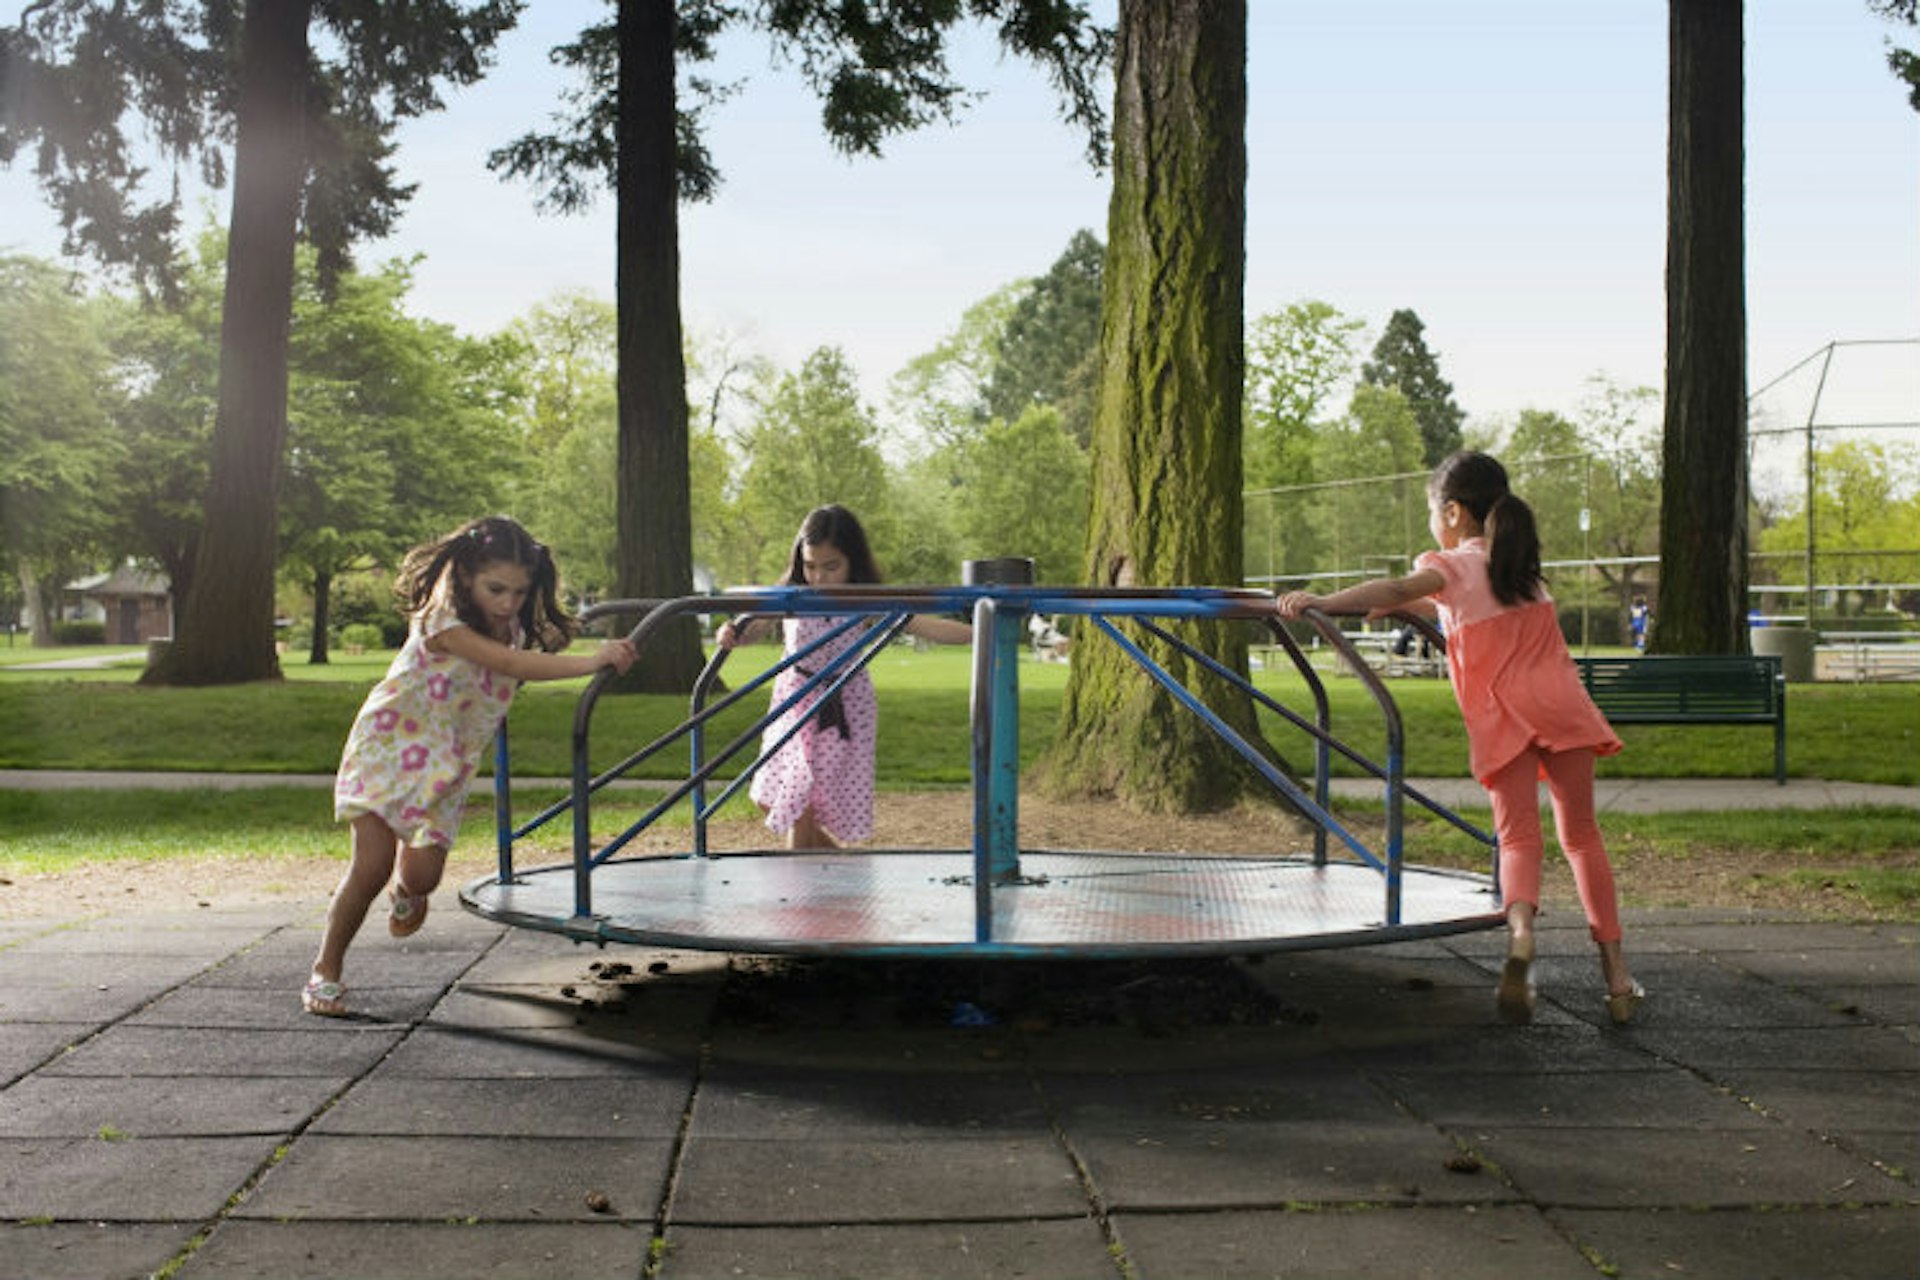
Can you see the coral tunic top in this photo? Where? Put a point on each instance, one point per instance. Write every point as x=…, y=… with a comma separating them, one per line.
x=1512, y=675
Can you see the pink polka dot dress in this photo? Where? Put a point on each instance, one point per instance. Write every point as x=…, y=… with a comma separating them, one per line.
x=826, y=768
x=420, y=737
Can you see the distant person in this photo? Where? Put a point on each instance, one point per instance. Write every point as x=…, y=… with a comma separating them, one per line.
x=476, y=599
x=1049, y=642
x=1527, y=714
x=1638, y=618
x=817, y=789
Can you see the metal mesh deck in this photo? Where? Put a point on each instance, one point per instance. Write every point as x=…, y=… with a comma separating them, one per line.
x=909, y=902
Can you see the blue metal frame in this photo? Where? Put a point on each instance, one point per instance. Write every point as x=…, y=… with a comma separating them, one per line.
x=998, y=613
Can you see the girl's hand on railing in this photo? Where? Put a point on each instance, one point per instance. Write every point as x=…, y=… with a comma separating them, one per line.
x=1293, y=603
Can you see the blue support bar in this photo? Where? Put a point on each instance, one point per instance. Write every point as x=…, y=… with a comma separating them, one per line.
x=1003, y=776
x=981, y=724
x=502, y=806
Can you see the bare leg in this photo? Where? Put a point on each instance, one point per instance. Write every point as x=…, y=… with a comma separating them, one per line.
x=421, y=867
x=807, y=833
x=374, y=850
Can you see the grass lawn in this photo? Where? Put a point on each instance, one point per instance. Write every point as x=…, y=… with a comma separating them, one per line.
x=103, y=720
x=93, y=720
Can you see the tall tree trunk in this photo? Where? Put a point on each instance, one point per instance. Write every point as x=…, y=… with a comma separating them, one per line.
x=322, y=618
x=1703, y=509
x=1166, y=467
x=654, y=555
x=226, y=631
x=43, y=597
x=178, y=562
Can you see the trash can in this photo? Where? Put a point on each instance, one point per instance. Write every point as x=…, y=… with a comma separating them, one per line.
x=1792, y=645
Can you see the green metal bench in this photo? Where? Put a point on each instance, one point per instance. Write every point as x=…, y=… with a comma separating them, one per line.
x=1693, y=689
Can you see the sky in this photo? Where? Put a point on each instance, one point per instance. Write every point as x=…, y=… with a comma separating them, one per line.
x=1497, y=166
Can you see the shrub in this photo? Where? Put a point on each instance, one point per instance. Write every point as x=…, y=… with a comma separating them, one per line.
x=361, y=635
x=79, y=633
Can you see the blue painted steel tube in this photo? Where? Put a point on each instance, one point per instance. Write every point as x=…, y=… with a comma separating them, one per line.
x=502, y=806
x=1003, y=777
x=981, y=706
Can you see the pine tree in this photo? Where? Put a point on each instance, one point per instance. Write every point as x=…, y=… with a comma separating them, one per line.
x=1050, y=348
x=1401, y=359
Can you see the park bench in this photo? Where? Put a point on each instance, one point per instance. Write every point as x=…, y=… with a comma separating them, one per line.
x=1693, y=689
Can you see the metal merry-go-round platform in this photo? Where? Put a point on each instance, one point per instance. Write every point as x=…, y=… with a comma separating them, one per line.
x=995, y=898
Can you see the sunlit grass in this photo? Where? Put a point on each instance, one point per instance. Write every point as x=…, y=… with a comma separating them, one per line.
x=102, y=721
x=48, y=831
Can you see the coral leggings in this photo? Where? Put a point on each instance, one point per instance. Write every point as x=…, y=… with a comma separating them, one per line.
x=1514, y=790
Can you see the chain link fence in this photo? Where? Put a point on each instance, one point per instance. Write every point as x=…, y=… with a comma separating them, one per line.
x=1837, y=436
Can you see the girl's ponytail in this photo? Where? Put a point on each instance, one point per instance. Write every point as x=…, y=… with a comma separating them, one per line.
x=1479, y=484
x=1513, y=550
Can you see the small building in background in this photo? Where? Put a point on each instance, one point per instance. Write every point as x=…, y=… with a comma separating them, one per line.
x=135, y=605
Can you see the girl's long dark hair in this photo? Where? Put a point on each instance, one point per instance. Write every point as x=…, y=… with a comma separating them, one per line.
x=456, y=557
x=1479, y=484
x=838, y=527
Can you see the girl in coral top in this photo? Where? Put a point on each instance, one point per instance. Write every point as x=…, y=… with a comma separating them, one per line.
x=1527, y=715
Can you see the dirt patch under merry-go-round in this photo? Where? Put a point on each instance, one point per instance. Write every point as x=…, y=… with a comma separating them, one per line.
x=1704, y=877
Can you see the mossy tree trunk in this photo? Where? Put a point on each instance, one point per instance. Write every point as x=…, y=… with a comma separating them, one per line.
x=1703, y=509
x=1166, y=466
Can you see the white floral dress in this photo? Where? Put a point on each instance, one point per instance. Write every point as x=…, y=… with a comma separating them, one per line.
x=421, y=736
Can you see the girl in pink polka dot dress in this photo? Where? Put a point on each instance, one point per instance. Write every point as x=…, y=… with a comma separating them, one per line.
x=1527, y=714
x=477, y=598
x=818, y=788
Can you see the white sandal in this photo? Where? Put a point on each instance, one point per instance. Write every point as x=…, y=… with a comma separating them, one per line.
x=324, y=998
x=406, y=912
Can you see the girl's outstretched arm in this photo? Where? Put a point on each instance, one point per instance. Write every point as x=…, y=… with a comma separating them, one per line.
x=530, y=664
x=1375, y=598
x=940, y=630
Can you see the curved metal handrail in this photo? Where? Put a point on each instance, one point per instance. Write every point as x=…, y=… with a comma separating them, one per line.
x=886, y=610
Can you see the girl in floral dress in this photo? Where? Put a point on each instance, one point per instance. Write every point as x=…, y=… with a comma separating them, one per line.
x=817, y=790
x=1527, y=714
x=477, y=598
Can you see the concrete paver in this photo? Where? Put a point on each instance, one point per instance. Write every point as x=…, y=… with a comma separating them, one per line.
x=505, y=1107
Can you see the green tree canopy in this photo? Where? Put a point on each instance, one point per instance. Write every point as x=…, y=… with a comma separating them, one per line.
x=1865, y=514
x=310, y=123
x=1904, y=63
x=1298, y=358
x=814, y=443
x=1026, y=495
x=392, y=437
x=942, y=393
x=879, y=71
x=57, y=448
